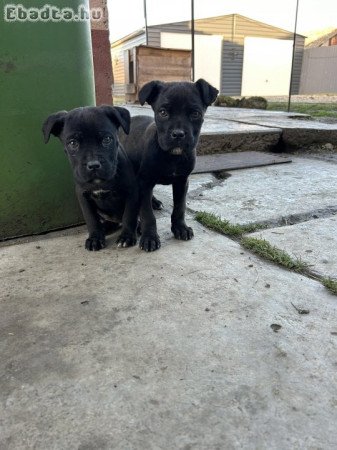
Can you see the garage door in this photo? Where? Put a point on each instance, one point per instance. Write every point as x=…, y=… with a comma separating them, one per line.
x=266, y=66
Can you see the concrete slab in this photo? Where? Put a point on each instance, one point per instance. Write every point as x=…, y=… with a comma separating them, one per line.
x=329, y=156
x=315, y=242
x=297, y=130
x=169, y=350
x=215, y=112
x=237, y=160
x=233, y=137
x=273, y=193
x=237, y=113
x=239, y=129
x=219, y=135
x=197, y=184
x=299, y=134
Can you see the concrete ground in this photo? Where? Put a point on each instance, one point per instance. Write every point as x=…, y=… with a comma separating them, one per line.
x=199, y=345
x=240, y=129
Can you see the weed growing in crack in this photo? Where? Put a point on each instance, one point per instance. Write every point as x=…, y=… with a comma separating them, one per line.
x=330, y=284
x=263, y=248
x=224, y=226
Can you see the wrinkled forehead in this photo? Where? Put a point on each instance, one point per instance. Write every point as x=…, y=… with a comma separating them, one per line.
x=179, y=97
x=88, y=121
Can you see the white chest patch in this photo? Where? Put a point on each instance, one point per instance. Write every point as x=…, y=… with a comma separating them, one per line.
x=100, y=192
x=176, y=151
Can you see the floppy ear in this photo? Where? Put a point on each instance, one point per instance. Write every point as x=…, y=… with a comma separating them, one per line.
x=53, y=125
x=149, y=92
x=117, y=115
x=208, y=93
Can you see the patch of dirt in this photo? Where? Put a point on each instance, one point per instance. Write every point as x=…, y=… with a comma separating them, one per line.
x=275, y=327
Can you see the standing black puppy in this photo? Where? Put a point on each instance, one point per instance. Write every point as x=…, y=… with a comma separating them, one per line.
x=163, y=150
x=106, y=185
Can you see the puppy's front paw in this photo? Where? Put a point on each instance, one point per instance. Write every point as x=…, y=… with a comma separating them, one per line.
x=126, y=239
x=95, y=242
x=149, y=242
x=182, y=232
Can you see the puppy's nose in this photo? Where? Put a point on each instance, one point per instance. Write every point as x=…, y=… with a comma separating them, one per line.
x=178, y=133
x=92, y=165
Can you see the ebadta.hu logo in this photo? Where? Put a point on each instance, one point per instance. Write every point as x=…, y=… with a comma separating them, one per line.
x=50, y=13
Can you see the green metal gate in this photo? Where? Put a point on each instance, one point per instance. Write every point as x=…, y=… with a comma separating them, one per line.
x=45, y=66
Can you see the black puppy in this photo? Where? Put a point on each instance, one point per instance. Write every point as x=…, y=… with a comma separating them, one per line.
x=163, y=150
x=106, y=185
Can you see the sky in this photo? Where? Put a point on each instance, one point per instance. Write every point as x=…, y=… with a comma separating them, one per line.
x=126, y=16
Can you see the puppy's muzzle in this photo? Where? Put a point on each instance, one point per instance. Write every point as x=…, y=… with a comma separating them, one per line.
x=178, y=134
x=93, y=165
x=178, y=137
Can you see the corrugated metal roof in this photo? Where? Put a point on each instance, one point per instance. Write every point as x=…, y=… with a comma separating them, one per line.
x=128, y=37
x=215, y=18
x=322, y=39
x=209, y=19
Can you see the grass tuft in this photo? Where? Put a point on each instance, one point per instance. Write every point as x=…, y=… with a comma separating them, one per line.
x=330, y=284
x=224, y=226
x=313, y=109
x=263, y=248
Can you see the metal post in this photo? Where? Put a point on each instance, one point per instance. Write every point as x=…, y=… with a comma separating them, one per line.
x=145, y=17
x=293, y=58
x=192, y=39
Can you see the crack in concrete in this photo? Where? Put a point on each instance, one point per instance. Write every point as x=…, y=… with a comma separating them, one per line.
x=291, y=219
x=302, y=268
x=195, y=193
x=330, y=157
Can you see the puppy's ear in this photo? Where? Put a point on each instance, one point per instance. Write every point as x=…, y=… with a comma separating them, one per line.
x=149, y=92
x=53, y=125
x=208, y=93
x=119, y=116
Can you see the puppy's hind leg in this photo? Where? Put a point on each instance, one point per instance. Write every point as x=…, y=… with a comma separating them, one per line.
x=149, y=240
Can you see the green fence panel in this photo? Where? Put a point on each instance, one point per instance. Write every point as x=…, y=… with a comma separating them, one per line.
x=45, y=66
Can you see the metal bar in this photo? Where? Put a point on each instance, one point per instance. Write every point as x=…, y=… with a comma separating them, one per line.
x=293, y=58
x=192, y=41
x=145, y=18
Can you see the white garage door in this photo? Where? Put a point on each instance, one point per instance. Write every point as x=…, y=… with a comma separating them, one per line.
x=266, y=66
x=207, y=53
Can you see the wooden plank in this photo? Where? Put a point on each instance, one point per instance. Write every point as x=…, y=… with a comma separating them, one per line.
x=130, y=88
x=166, y=61
x=162, y=64
x=237, y=160
x=156, y=75
x=143, y=50
x=126, y=66
x=155, y=70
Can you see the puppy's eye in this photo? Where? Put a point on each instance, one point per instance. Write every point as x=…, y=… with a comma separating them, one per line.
x=73, y=144
x=163, y=113
x=107, y=140
x=195, y=115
